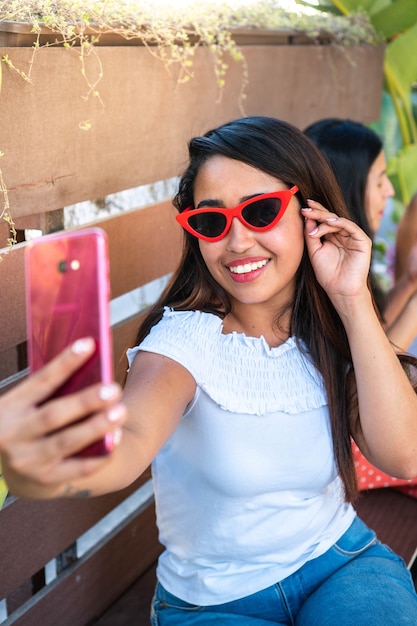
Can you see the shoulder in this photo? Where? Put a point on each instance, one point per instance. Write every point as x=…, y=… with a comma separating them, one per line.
x=186, y=337
x=184, y=328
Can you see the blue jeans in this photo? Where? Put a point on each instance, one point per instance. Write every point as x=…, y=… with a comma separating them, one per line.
x=358, y=582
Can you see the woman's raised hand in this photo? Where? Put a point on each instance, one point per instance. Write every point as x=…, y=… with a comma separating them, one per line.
x=340, y=253
x=38, y=437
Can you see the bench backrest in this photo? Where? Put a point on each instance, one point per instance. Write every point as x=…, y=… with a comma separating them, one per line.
x=33, y=534
x=65, y=562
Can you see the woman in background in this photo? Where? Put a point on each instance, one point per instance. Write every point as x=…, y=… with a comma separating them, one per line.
x=356, y=155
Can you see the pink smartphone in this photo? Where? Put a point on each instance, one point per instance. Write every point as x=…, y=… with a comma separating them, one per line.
x=67, y=298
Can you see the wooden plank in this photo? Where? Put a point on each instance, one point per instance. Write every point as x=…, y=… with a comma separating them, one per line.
x=25, y=525
x=9, y=362
x=12, y=297
x=133, y=607
x=136, y=241
x=92, y=584
x=144, y=244
x=143, y=119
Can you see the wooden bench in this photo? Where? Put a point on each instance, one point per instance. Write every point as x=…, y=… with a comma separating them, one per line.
x=37, y=537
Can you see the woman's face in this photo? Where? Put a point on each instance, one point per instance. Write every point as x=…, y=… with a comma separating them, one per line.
x=378, y=190
x=253, y=267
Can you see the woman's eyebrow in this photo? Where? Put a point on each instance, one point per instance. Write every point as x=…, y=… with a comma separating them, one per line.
x=220, y=204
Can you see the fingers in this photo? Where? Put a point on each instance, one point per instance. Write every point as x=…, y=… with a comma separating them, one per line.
x=68, y=442
x=41, y=385
x=316, y=216
x=100, y=404
x=59, y=427
x=320, y=222
x=39, y=448
x=62, y=412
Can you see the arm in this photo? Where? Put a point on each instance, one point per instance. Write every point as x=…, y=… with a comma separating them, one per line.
x=37, y=460
x=399, y=295
x=387, y=430
x=403, y=330
x=406, y=237
x=400, y=311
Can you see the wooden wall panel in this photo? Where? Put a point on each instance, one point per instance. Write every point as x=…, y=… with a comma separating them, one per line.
x=140, y=128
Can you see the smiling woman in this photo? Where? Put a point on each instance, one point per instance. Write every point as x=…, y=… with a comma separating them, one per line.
x=255, y=345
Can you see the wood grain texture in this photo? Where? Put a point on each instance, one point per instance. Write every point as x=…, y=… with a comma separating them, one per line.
x=143, y=119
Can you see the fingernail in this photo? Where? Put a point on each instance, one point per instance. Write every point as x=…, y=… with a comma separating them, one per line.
x=117, y=436
x=306, y=208
x=113, y=439
x=331, y=219
x=115, y=413
x=107, y=392
x=81, y=346
x=313, y=232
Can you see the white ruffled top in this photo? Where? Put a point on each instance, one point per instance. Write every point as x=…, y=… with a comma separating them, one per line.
x=241, y=374
x=246, y=487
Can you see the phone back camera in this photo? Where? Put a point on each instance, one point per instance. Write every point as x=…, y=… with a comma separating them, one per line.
x=62, y=267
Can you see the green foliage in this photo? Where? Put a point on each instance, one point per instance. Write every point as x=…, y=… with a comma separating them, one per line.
x=396, y=23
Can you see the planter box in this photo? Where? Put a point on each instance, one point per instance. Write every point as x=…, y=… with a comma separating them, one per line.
x=140, y=125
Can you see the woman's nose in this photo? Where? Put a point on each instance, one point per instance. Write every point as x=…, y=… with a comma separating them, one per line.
x=239, y=237
x=389, y=189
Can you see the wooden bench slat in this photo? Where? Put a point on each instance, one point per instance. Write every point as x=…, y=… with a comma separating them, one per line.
x=144, y=244
x=12, y=297
x=133, y=607
x=93, y=583
x=45, y=529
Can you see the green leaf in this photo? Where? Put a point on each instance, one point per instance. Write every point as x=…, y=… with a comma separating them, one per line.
x=387, y=127
x=401, y=74
x=402, y=171
x=395, y=18
x=3, y=488
x=353, y=6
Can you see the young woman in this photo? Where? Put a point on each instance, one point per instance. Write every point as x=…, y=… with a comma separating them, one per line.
x=356, y=155
x=259, y=362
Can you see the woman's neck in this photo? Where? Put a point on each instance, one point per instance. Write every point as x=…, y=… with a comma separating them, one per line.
x=256, y=321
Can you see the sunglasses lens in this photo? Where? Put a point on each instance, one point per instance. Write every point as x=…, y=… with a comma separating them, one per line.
x=208, y=224
x=262, y=213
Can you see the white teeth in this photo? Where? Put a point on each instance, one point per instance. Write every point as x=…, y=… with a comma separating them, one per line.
x=247, y=267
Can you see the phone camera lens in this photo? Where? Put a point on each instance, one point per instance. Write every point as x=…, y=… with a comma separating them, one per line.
x=62, y=267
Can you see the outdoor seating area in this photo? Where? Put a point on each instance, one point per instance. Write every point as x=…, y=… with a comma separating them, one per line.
x=92, y=562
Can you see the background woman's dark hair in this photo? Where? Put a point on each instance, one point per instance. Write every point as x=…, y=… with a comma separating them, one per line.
x=284, y=152
x=350, y=148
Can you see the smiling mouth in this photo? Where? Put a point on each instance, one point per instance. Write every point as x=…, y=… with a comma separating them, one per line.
x=248, y=267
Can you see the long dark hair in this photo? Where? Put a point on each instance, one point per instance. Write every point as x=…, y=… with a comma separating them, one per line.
x=284, y=152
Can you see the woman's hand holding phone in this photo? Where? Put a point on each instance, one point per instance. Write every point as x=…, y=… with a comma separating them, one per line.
x=40, y=437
